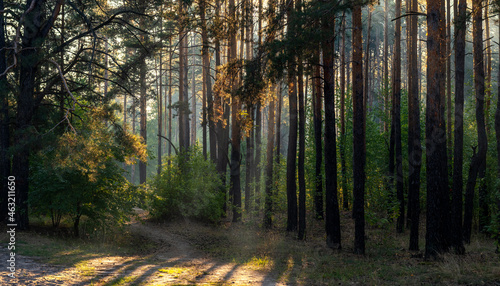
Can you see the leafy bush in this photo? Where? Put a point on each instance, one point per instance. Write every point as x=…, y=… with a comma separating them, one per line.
x=80, y=175
x=188, y=187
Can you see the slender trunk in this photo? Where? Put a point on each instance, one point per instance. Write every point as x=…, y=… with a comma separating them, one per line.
x=343, y=141
x=302, y=151
x=449, y=139
x=488, y=65
x=332, y=222
x=170, y=56
x=4, y=124
x=414, y=144
x=458, y=156
x=366, y=76
x=235, y=124
x=396, y=91
x=318, y=141
x=359, y=150
x=142, y=165
x=160, y=113
x=208, y=110
x=497, y=134
x=478, y=164
x=183, y=110
x=249, y=165
x=268, y=218
x=193, y=98
x=291, y=183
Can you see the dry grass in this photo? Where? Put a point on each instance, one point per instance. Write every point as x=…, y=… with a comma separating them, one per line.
x=310, y=262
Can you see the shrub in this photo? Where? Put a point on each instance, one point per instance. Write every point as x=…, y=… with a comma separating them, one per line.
x=188, y=186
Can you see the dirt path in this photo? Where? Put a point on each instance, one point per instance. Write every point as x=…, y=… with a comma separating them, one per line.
x=175, y=261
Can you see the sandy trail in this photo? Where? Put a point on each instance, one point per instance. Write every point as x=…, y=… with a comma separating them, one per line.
x=175, y=261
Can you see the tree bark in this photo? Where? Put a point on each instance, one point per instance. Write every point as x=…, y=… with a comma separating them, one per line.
x=396, y=90
x=4, y=124
x=332, y=222
x=414, y=145
x=359, y=156
x=458, y=156
x=318, y=142
x=235, y=125
x=291, y=183
x=478, y=164
x=343, y=139
x=435, y=130
x=268, y=218
x=143, y=118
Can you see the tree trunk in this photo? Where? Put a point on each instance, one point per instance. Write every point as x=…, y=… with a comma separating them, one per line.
x=458, y=156
x=235, y=125
x=249, y=165
x=437, y=176
x=497, y=134
x=359, y=156
x=268, y=218
x=478, y=164
x=4, y=123
x=332, y=222
x=343, y=141
x=193, y=98
x=28, y=59
x=302, y=151
x=318, y=142
x=160, y=112
x=142, y=165
x=183, y=111
x=414, y=145
x=396, y=90
x=386, y=63
x=291, y=183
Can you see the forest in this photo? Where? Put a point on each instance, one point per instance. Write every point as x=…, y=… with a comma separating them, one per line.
x=222, y=142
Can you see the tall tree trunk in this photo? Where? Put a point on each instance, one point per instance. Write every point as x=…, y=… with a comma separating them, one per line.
x=235, y=124
x=343, y=138
x=478, y=164
x=436, y=239
x=359, y=156
x=291, y=183
x=249, y=164
x=458, y=156
x=497, y=134
x=268, y=218
x=396, y=90
x=193, y=98
x=183, y=111
x=28, y=59
x=332, y=222
x=414, y=145
x=208, y=110
x=366, y=76
x=449, y=139
x=318, y=142
x=143, y=120
x=160, y=112
x=170, y=56
x=4, y=123
x=488, y=65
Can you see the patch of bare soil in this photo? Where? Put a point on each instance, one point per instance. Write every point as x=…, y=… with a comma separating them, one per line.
x=174, y=262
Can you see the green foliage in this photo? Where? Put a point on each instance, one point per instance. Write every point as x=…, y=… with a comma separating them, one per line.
x=187, y=187
x=80, y=175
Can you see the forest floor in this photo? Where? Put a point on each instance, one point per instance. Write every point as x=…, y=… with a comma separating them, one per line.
x=189, y=253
